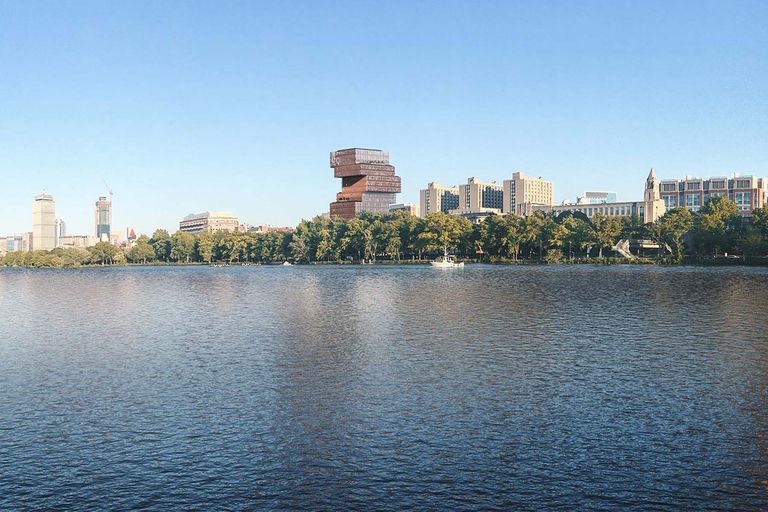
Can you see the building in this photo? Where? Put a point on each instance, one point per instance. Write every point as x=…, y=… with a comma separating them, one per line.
x=748, y=192
x=368, y=182
x=411, y=208
x=597, y=198
x=77, y=241
x=480, y=197
x=648, y=210
x=43, y=223
x=522, y=193
x=266, y=228
x=103, y=219
x=438, y=198
x=209, y=222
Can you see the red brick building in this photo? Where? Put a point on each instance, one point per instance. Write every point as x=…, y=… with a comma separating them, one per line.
x=368, y=182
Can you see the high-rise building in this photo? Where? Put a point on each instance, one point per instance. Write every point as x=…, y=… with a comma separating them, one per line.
x=103, y=219
x=748, y=192
x=368, y=182
x=438, y=198
x=43, y=223
x=481, y=196
x=209, y=222
x=522, y=193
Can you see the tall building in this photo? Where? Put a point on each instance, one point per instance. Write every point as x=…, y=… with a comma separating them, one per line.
x=103, y=219
x=368, y=182
x=438, y=198
x=748, y=192
x=522, y=193
x=648, y=210
x=481, y=196
x=43, y=223
x=209, y=222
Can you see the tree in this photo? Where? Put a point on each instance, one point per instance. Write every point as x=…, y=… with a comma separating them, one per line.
x=141, y=251
x=182, y=246
x=103, y=253
x=204, y=247
x=605, y=232
x=161, y=244
x=668, y=231
x=443, y=231
x=576, y=234
x=717, y=225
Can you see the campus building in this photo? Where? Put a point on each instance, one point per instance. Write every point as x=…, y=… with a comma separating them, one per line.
x=43, y=223
x=597, y=198
x=438, y=198
x=748, y=192
x=368, y=182
x=209, y=222
x=648, y=210
x=522, y=193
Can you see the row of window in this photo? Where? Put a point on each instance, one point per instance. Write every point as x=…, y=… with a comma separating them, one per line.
x=743, y=200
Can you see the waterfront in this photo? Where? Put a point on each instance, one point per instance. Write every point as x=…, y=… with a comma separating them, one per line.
x=384, y=387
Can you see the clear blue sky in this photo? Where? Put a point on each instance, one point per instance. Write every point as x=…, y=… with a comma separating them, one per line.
x=190, y=106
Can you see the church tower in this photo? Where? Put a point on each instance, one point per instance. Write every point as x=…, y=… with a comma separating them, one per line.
x=653, y=204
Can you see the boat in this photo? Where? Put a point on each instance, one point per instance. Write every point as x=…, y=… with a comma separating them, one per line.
x=287, y=264
x=447, y=261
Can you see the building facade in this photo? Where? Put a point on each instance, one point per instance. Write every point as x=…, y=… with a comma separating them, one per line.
x=103, y=219
x=480, y=197
x=209, y=222
x=368, y=182
x=748, y=192
x=78, y=241
x=411, y=208
x=43, y=223
x=648, y=210
x=522, y=193
x=597, y=198
x=438, y=198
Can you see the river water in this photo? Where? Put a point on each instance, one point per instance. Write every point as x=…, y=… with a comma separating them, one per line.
x=384, y=388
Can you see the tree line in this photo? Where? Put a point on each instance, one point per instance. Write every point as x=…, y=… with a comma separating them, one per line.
x=545, y=237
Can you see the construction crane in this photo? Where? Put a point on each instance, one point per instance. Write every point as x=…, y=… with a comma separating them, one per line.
x=109, y=190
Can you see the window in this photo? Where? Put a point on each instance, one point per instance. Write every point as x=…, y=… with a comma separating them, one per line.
x=696, y=185
x=669, y=187
x=743, y=184
x=670, y=201
x=744, y=201
x=693, y=202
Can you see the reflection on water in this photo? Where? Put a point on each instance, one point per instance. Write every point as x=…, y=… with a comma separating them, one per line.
x=603, y=388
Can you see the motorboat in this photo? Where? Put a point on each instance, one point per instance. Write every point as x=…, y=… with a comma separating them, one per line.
x=447, y=261
x=287, y=264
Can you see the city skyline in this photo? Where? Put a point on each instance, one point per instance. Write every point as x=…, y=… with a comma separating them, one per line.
x=210, y=106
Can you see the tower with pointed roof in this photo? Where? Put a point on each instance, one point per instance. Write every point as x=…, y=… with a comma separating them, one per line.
x=653, y=204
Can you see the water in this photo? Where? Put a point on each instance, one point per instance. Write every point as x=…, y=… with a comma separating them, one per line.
x=384, y=388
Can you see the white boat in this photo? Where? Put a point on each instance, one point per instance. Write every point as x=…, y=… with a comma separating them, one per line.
x=287, y=264
x=446, y=261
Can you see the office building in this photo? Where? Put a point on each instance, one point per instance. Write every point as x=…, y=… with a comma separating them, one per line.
x=522, y=193
x=648, y=210
x=411, y=208
x=103, y=219
x=209, y=222
x=368, y=182
x=597, y=198
x=438, y=198
x=748, y=192
x=43, y=223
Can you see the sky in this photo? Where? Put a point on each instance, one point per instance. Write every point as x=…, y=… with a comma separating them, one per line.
x=184, y=106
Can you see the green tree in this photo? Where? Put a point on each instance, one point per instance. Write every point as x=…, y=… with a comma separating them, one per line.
x=104, y=253
x=142, y=251
x=717, y=225
x=204, y=247
x=669, y=229
x=443, y=231
x=161, y=244
x=605, y=232
x=182, y=247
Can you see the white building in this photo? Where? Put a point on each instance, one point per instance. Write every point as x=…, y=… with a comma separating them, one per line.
x=522, y=193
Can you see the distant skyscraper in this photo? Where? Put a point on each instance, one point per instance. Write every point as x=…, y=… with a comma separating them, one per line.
x=103, y=219
x=43, y=223
x=368, y=182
